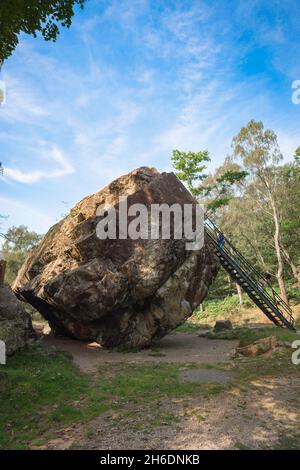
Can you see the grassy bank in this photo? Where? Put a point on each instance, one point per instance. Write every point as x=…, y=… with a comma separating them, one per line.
x=230, y=308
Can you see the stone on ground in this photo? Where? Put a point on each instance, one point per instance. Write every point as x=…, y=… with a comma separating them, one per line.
x=123, y=293
x=222, y=325
x=261, y=346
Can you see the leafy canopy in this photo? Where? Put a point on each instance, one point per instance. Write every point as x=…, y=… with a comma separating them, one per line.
x=215, y=190
x=18, y=242
x=256, y=146
x=297, y=156
x=32, y=17
x=189, y=168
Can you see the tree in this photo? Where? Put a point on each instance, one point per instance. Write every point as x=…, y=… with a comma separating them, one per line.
x=214, y=191
x=218, y=188
x=33, y=17
x=18, y=242
x=297, y=156
x=289, y=205
x=259, y=151
x=190, y=167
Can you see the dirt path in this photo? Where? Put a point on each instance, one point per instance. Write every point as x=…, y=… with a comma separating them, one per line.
x=176, y=348
x=262, y=417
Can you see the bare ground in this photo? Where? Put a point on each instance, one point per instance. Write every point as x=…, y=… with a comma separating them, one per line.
x=263, y=417
x=174, y=348
x=265, y=414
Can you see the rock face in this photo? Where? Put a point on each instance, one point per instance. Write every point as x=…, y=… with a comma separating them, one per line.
x=15, y=324
x=117, y=292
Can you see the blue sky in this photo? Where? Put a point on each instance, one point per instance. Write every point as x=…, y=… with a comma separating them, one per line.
x=131, y=81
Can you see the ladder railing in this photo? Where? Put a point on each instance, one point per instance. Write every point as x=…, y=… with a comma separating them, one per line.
x=282, y=313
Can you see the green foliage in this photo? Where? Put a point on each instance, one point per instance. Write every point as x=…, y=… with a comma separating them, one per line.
x=190, y=167
x=232, y=177
x=256, y=146
x=32, y=17
x=18, y=242
x=213, y=192
x=218, y=203
x=297, y=156
x=226, y=181
x=224, y=307
x=293, y=293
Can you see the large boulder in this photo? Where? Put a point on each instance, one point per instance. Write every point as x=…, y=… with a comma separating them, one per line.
x=15, y=323
x=117, y=292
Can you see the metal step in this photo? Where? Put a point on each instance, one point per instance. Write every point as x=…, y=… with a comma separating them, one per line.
x=249, y=279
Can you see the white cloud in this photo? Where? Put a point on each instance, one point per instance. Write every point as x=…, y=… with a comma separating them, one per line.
x=20, y=213
x=33, y=176
x=22, y=104
x=162, y=78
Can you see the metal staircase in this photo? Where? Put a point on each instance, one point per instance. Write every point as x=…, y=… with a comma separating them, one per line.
x=252, y=282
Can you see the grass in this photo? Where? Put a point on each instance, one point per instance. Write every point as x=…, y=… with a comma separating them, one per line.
x=289, y=440
x=38, y=390
x=190, y=327
x=277, y=365
x=41, y=392
x=229, y=308
x=249, y=335
x=141, y=395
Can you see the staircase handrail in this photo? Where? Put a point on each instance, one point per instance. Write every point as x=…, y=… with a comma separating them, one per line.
x=238, y=258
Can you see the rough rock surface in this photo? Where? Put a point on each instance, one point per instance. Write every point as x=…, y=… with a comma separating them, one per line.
x=15, y=323
x=261, y=346
x=117, y=292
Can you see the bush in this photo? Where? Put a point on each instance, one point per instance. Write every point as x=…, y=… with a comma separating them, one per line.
x=219, y=308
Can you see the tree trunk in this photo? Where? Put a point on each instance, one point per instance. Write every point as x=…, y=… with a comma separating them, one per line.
x=279, y=273
x=2, y=271
x=240, y=293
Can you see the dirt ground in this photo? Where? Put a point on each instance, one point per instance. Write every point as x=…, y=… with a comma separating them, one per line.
x=253, y=419
x=174, y=348
x=261, y=416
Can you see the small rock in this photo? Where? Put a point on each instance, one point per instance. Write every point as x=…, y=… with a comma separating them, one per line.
x=47, y=330
x=222, y=325
x=260, y=346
